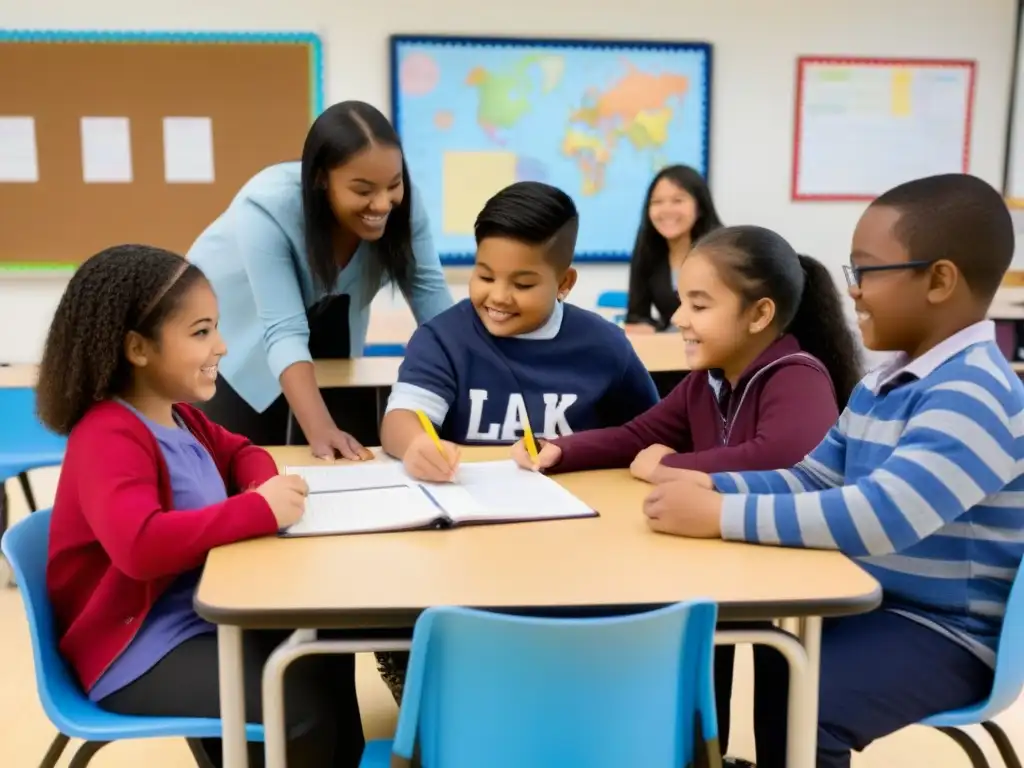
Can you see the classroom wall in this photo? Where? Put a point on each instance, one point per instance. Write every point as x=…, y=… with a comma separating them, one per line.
x=755, y=46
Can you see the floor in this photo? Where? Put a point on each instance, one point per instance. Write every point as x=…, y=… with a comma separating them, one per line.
x=25, y=732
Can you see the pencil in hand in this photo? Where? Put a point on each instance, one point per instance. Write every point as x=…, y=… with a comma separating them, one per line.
x=430, y=468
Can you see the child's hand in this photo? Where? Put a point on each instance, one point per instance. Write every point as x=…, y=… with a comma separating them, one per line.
x=665, y=474
x=683, y=509
x=424, y=462
x=548, y=455
x=286, y=495
x=647, y=463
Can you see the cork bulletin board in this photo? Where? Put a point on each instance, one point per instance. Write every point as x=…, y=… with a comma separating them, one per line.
x=109, y=138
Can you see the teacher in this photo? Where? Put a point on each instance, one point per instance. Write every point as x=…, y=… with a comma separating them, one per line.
x=296, y=260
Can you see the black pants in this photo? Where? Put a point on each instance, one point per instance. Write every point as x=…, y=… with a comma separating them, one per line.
x=321, y=709
x=353, y=410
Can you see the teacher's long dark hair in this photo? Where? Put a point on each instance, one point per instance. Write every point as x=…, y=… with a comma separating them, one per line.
x=336, y=136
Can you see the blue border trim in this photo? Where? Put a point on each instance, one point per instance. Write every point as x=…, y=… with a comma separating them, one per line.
x=394, y=41
x=310, y=39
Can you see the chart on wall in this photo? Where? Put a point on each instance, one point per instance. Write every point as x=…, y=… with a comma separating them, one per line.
x=865, y=125
x=597, y=120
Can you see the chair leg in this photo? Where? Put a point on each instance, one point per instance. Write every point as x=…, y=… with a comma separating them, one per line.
x=199, y=753
x=26, y=488
x=968, y=745
x=85, y=753
x=1006, y=750
x=4, y=512
x=55, y=751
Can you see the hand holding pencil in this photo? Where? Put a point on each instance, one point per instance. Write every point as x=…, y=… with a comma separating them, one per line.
x=430, y=458
x=528, y=453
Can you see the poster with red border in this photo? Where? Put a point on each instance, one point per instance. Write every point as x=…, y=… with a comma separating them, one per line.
x=864, y=125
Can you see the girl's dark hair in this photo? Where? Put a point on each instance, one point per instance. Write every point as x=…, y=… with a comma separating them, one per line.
x=121, y=289
x=650, y=246
x=758, y=264
x=340, y=132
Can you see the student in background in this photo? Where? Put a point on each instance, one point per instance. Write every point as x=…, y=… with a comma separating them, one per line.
x=148, y=487
x=920, y=480
x=296, y=261
x=767, y=325
x=514, y=352
x=678, y=211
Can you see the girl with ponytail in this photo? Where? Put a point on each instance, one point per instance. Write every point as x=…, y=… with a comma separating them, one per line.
x=772, y=359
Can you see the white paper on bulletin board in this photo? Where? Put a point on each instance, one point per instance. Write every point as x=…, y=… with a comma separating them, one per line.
x=866, y=125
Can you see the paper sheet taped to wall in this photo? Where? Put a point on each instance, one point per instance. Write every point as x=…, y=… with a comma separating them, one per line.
x=866, y=125
x=106, y=150
x=18, y=155
x=188, y=150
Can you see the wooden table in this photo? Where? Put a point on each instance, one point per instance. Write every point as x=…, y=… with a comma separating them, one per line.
x=605, y=564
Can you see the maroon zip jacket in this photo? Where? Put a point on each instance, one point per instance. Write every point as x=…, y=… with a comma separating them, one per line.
x=781, y=408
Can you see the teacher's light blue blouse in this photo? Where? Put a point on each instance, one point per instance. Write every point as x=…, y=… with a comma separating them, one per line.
x=254, y=255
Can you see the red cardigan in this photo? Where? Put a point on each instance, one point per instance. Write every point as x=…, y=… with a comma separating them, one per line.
x=115, y=542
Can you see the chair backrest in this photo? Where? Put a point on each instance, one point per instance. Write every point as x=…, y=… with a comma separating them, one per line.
x=25, y=547
x=1009, y=677
x=503, y=691
x=22, y=430
x=613, y=300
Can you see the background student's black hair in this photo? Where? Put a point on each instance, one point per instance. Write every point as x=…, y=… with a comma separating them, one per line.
x=340, y=132
x=759, y=263
x=650, y=276
x=533, y=213
x=120, y=289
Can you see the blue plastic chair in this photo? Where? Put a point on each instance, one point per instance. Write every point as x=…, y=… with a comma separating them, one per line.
x=384, y=350
x=510, y=691
x=612, y=300
x=24, y=444
x=25, y=546
x=1006, y=688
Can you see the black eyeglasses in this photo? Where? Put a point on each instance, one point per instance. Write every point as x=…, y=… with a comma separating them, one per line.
x=853, y=274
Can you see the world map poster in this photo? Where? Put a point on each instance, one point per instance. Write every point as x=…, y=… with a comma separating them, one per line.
x=596, y=119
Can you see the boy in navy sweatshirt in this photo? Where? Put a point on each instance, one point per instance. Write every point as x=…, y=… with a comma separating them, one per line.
x=514, y=351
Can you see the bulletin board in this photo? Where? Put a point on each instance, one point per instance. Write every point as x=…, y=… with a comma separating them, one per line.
x=596, y=118
x=863, y=126
x=109, y=138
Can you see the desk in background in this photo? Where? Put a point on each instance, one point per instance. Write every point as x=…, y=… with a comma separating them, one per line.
x=373, y=583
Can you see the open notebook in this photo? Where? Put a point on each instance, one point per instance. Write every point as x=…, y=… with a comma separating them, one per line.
x=380, y=496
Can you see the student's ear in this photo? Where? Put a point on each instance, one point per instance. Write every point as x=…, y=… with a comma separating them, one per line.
x=943, y=280
x=762, y=314
x=566, y=283
x=136, y=349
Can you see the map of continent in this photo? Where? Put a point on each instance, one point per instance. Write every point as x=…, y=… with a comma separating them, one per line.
x=597, y=122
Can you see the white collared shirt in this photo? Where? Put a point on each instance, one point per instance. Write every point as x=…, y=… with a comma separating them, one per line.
x=979, y=333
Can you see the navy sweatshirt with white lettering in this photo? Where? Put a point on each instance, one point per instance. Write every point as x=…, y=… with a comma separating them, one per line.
x=576, y=372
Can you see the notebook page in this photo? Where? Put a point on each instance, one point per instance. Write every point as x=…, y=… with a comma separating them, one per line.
x=351, y=477
x=500, y=490
x=363, y=511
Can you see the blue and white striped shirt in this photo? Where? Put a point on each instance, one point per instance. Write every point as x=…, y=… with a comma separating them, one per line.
x=921, y=481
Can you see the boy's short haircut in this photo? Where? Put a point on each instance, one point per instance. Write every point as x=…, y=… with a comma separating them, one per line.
x=532, y=213
x=957, y=217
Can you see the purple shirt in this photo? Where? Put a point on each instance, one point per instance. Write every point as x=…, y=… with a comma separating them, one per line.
x=195, y=483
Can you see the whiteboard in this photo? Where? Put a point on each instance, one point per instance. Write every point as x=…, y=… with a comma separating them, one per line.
x=866, y=125
x=1015, y=163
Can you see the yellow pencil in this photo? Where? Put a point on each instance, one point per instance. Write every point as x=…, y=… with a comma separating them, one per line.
x=531, y=444
x=428, y=427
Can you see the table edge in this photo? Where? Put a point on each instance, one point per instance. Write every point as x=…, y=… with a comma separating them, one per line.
x=404, y=618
